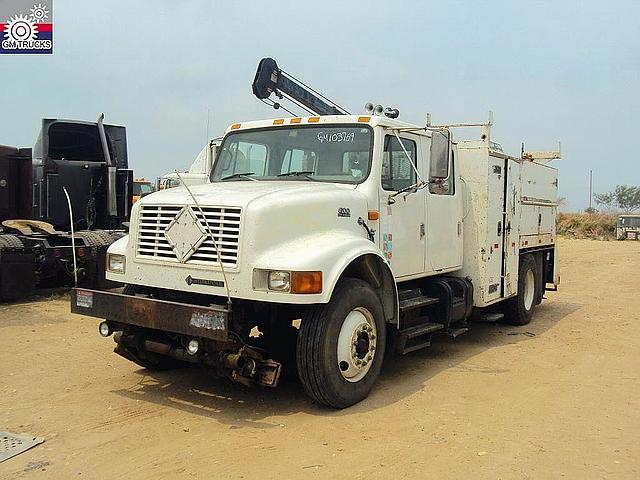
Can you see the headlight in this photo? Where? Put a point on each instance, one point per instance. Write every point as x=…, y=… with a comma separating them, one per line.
x=287, y=282
x=279, y=281
x=116, y=263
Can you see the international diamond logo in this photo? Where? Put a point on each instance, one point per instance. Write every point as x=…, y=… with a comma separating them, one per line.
x=185, y=234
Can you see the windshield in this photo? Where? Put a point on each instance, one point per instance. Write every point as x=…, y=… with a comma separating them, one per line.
x=318, y=153
x=142, y=188
x=629, y=221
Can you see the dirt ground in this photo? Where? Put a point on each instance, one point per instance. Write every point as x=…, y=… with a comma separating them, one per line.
x=557, y=398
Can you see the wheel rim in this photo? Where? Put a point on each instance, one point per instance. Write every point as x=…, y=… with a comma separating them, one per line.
x=529, y=289
x=357, y=344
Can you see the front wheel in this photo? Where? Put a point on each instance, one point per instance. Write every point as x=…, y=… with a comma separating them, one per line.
x=341, y=345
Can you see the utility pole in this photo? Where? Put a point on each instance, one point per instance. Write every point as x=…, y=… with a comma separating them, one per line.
x=590, y=189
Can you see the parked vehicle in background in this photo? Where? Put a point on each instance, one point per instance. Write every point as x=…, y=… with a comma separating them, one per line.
x=628, y=227
x=368, y=231
x=141, y=187
x=198, y=172
x=89, y=159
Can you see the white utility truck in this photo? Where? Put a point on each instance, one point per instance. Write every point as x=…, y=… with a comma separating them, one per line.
x=366, y=232
x=197, y=174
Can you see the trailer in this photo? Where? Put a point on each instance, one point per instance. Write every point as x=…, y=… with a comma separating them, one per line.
x=322, y=241
x=77, y=164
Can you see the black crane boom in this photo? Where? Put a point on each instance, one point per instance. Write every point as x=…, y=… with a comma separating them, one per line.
x=271, y=79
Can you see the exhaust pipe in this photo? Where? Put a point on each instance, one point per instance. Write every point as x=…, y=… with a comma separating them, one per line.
x=112, y=202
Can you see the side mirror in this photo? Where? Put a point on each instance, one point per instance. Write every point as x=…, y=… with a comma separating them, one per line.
x=440, y=154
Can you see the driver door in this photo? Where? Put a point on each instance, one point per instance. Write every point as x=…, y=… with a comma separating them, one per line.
x=402, y=238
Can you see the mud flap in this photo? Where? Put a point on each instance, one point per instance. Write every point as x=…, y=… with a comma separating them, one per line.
x=17, y=275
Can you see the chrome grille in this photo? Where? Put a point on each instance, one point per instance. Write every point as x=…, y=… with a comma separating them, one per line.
x=224, y=223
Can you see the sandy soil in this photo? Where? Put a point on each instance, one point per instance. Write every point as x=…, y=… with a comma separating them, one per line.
x=557, y=398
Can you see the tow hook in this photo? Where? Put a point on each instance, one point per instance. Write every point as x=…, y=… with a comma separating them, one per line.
x=249, y=371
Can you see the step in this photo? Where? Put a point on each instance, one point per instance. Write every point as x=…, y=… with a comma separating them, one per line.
x=417, y=302
x=456, y=332
x=490, y=317
x=415, y=338
x=422, y=329
x=410, y=346
x=409, y=293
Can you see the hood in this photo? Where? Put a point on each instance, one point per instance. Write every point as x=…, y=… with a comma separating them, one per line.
x=242, y=193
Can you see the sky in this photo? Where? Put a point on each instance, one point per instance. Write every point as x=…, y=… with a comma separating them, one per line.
x=550, y=71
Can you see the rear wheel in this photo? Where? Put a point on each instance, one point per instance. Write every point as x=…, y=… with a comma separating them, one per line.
x=341, y=345
x=518, y=310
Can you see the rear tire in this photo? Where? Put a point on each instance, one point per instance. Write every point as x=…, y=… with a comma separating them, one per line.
x=518, y=310
x=341, y=345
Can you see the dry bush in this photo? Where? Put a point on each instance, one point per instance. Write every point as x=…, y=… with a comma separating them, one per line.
x=597, y=226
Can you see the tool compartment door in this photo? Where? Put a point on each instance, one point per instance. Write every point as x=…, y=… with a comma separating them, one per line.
x=493, y=250
x=512, y=229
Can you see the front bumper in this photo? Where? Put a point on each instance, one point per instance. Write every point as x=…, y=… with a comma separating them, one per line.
x=185, y=319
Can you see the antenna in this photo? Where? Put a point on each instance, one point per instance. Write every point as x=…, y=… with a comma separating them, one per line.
x=208, y=115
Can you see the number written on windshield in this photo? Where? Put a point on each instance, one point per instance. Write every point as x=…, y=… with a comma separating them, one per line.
x=336, y=137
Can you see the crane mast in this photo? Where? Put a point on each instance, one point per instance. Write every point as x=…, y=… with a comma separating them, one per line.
x=270, y=79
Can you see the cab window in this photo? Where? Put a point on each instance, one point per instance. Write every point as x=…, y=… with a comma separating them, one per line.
x=397, y=171
x=246, y=157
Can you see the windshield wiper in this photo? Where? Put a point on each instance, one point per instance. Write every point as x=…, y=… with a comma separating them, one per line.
x=301, y=173
x=240, y=175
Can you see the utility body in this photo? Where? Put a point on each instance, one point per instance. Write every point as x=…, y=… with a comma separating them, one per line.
x=89, y=160
x=198, y=171
x=320, y=242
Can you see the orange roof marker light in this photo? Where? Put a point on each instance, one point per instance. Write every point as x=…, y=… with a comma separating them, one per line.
x=296, y=120
x=313, y=119
x=373, y=215
x=235, y=126
x=278, y=121
x=364, y=119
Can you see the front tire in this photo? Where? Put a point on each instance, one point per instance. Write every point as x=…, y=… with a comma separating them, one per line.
x=518, y=310
x=341, y=345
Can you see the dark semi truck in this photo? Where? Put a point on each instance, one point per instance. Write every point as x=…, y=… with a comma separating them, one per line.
x=89, y=159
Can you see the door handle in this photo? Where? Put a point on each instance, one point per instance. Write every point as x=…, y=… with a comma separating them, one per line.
x=422, y=231
x=499, y=229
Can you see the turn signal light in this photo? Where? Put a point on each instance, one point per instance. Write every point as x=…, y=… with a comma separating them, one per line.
x=373, y=215
x=306, y=282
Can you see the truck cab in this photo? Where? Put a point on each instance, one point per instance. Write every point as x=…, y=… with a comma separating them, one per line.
x=353, y=225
